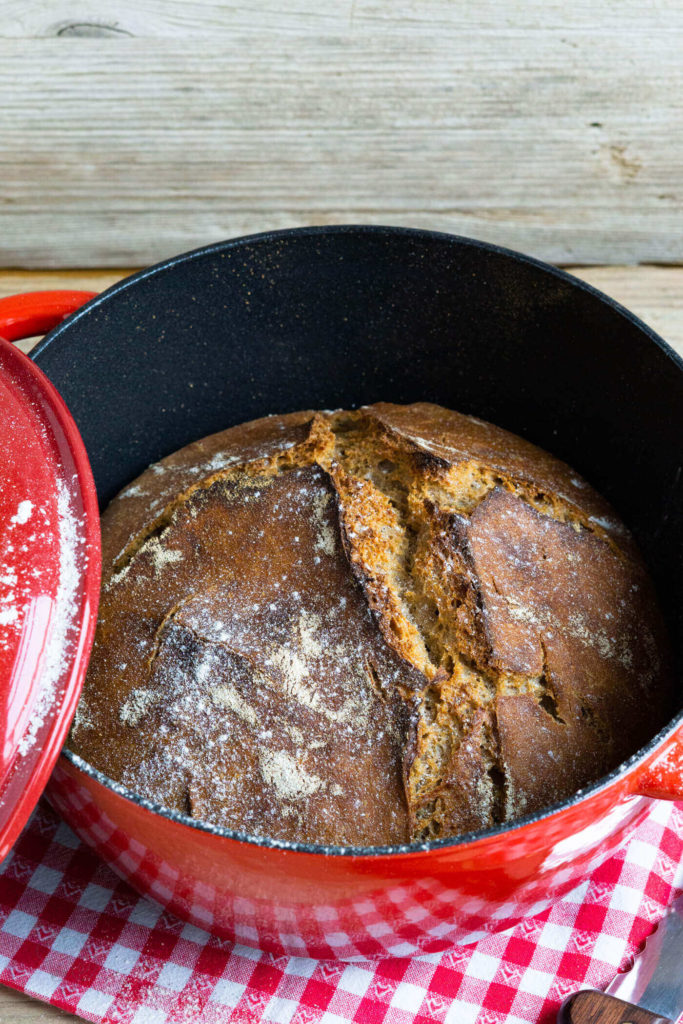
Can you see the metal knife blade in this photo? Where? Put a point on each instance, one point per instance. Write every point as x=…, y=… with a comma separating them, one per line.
x=655, y=981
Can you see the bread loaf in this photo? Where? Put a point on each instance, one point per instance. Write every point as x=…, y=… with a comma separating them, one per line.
x=367, y=628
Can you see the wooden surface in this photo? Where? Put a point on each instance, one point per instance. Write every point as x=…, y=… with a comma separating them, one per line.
x=134, y=129
x=597, y=1008
x=654, y=293
x=16, y=1008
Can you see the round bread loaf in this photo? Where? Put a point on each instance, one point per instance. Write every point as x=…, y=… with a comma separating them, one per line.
x=367, y=628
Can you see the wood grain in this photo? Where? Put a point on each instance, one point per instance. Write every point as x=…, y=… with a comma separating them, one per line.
x=654, y=293
x=16, y=1008
x=135, y=130
x=597, y=1008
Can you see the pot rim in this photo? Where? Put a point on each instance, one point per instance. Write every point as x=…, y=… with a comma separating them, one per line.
x=464, y=839
x=284, y=234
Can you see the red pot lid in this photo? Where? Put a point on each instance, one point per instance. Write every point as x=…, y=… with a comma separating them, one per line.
x=49, y=582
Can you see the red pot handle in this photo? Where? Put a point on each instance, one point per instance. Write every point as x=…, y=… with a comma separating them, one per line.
x=22, y=316
x=662, y=777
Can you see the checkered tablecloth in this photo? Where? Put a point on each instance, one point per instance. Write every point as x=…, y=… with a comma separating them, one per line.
x=74, y=935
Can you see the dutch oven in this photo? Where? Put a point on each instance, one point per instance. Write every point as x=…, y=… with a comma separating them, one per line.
x=339, y=317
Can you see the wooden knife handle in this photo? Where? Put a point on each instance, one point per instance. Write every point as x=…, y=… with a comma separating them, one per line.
x=597, y=1008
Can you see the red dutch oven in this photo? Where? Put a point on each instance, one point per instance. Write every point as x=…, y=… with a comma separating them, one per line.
x=341, y=316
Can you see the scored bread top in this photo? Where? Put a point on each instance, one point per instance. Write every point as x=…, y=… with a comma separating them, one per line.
x=365, y=628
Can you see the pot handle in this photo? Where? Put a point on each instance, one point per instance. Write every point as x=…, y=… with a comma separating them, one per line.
x=662, y=778
x=22, y=316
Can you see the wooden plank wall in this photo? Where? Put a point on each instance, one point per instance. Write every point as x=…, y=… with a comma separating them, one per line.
x=133, y=129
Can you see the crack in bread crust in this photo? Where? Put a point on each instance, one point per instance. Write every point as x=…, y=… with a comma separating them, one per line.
x=495, y=576
x=245, y=470
x=424, y=590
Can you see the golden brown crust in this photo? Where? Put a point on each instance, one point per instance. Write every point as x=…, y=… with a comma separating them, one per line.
x=454, y=438
x=361, y=628
x=138, y=505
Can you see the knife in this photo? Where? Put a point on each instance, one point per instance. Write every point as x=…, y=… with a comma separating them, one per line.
x=651, y=992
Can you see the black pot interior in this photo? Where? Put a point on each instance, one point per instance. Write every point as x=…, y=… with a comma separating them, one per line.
x=331, y=317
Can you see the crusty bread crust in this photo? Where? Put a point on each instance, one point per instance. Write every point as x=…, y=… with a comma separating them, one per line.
x=366, y=628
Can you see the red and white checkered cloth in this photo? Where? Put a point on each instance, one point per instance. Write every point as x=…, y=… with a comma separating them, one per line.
x=73, y=934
